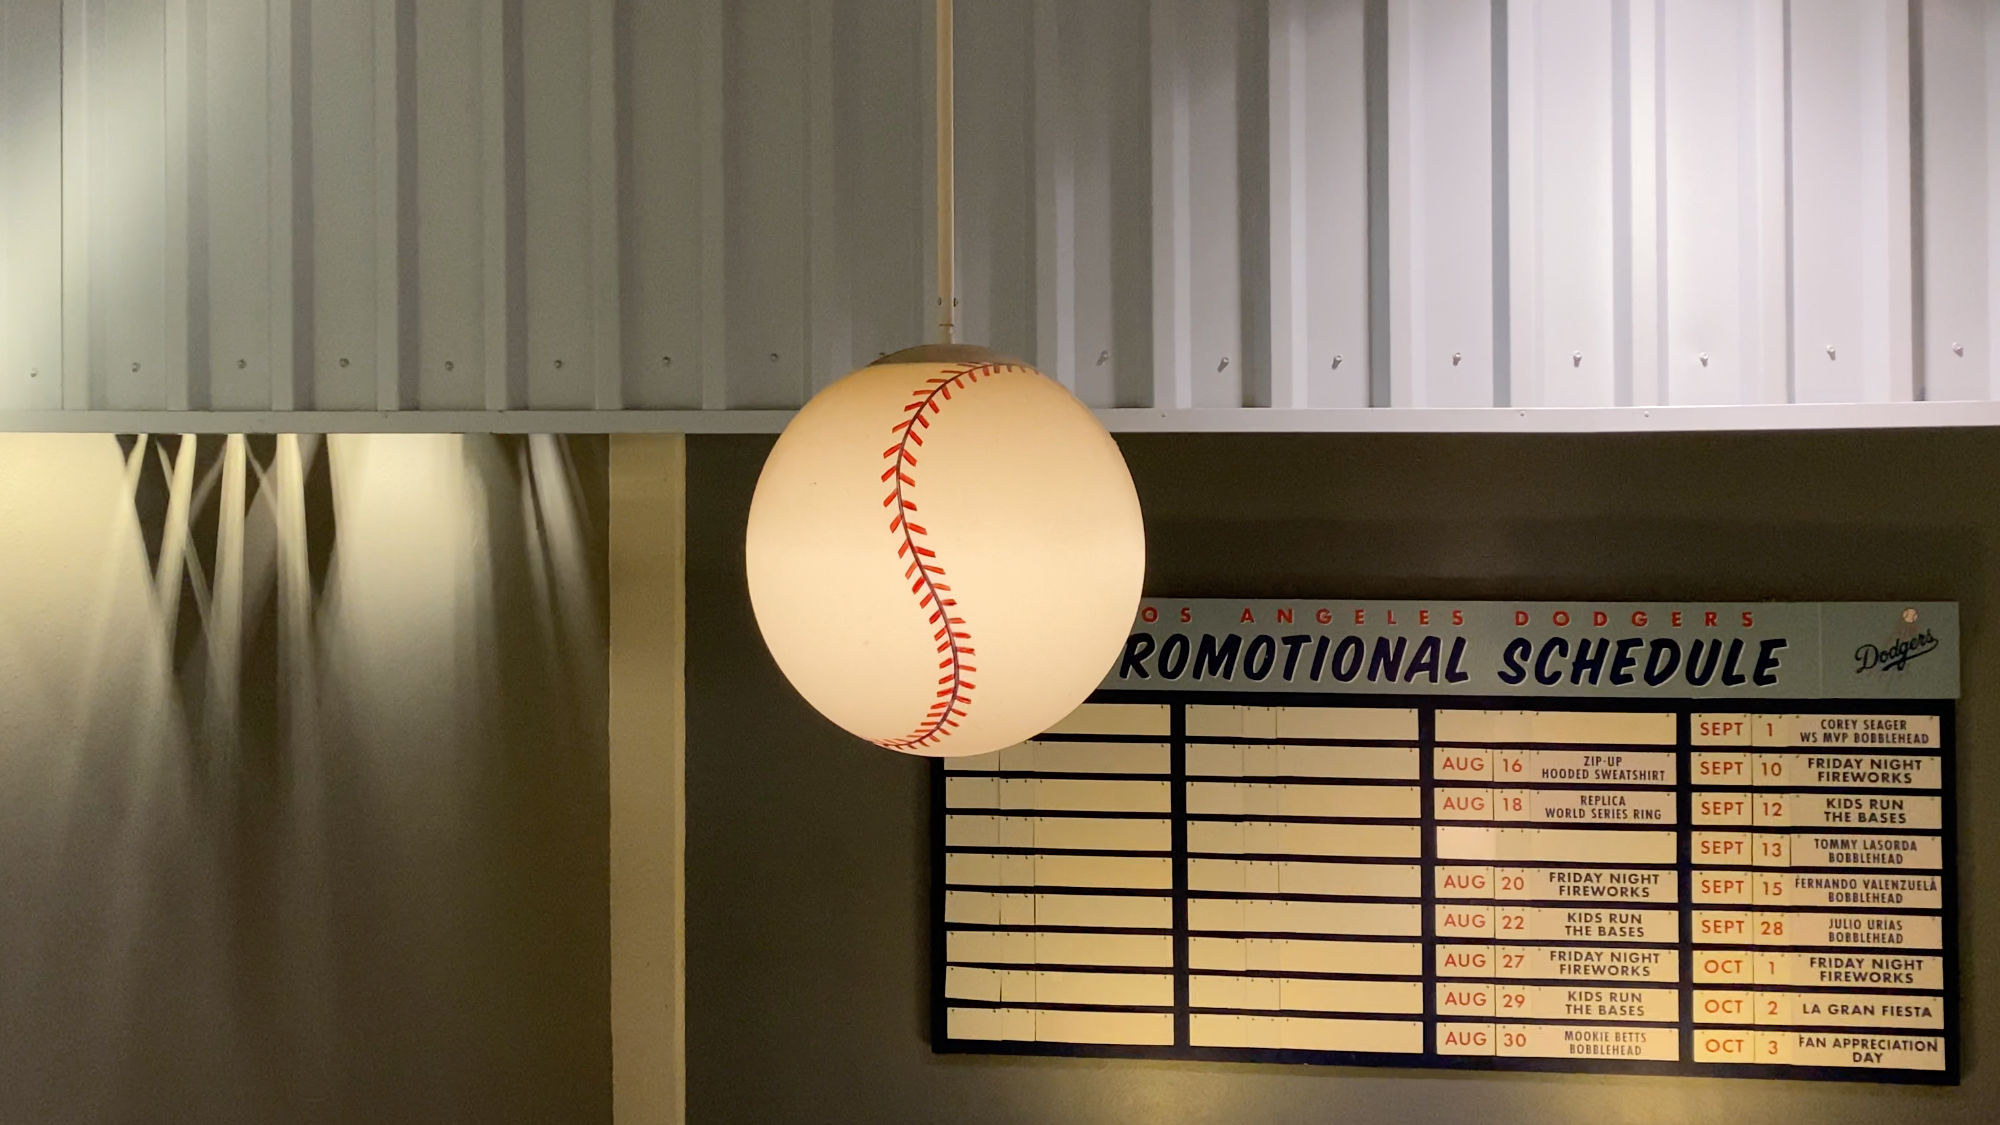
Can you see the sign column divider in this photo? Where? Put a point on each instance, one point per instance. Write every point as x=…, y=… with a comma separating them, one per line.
x=1427, y=784
x=1177, y=768
x=1684, y=863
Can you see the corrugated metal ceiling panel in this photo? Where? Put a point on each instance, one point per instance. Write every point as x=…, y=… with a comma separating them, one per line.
x=1242, y=214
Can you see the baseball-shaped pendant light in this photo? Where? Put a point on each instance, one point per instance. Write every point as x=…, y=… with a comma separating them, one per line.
x=945, y=551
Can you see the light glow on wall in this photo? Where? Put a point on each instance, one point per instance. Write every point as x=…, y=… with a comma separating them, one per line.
x=285, y=745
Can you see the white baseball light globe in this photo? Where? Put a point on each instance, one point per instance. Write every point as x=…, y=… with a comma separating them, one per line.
x=945, y=552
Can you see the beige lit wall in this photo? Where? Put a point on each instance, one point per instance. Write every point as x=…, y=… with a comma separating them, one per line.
x=303, y=780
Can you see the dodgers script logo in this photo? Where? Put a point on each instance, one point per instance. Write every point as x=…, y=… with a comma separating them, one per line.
x=1897, y=656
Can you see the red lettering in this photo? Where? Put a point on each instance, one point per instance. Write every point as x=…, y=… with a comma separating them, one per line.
x=1247, y=615
x=1599, y=618
x=1458, y=617
x=1520, y=617
x=1746, y=619
x=1392, y=617
x=1149, y=615
x=1708, y=619
x=1561, y=618
x=1639, y=618
x=1187, y=615
x=1324, y=617
x=1360, y=617
x=1423, y=617
x=1677, y=619
x=1285, y=616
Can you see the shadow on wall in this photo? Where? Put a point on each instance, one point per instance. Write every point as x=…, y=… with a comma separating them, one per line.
x=303, y=779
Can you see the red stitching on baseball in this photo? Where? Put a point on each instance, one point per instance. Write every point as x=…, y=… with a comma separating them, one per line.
x=953, y=637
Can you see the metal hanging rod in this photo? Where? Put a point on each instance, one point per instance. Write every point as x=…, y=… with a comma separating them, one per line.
x=947, y=231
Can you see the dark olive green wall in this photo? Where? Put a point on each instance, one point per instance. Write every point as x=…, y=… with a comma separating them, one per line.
x=807, y=907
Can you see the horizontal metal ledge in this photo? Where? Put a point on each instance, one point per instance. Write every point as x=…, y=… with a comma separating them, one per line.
x=1560, y=419
x=1485, y=420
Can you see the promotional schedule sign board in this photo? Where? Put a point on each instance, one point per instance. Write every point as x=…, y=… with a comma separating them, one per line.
x=1644, y=837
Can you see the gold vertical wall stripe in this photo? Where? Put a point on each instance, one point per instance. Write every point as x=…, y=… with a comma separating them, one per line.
x=648, y=732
